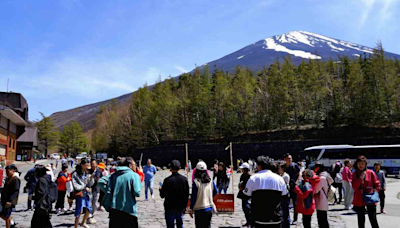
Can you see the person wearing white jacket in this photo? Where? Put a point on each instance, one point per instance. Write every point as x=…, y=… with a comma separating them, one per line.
x=322, y=183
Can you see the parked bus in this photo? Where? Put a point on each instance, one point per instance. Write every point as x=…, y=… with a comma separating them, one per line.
x=387, y=155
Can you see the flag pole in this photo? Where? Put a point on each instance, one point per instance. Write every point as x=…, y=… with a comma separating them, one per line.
x=187, y=160
x=233, y=185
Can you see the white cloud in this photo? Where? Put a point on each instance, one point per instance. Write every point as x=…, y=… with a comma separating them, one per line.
x=365, y=11
x=180, y=69
x=385, y=13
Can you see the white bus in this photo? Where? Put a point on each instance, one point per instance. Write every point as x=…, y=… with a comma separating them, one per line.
x=387, y=155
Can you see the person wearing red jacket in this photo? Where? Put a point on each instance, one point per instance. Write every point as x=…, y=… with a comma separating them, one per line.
x=62, y=179
x=305, y=199
x=364, y=181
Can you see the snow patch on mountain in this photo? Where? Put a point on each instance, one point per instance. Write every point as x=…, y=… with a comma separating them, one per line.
x=313, y=40
x=240, y=57
x=271, y=44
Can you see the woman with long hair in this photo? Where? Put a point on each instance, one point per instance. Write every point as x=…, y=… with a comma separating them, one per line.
x=365, y=182
x=321, y=194
x=203, y=192
x=82, y=182
x=41, y=216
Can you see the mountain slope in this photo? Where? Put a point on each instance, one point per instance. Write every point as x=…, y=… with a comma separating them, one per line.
x=298, y=44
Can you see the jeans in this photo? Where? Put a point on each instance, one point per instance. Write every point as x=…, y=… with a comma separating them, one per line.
x=371, y=215
x=322, y=217
x=148, y=185
x=348, y=194
x=382, y=198
x=307, y=221
x=172, y=216
x=223, y=188
x=285, y=211
x=293, y=196
x=246, y=209
x=203, y=219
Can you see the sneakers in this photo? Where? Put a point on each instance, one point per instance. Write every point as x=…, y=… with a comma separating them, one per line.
x=85, y=226
x=91, y=221
x=152, y=197
x=57, y=211
x=70, y=209
x=383, y=212
x=294, y=223
x=102, y=209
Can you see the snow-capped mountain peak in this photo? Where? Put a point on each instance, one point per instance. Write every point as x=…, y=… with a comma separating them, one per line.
x=298, y=44
x=312, y=40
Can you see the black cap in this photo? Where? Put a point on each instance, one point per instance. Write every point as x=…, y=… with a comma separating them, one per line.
x=175, y=165
x=12, y=166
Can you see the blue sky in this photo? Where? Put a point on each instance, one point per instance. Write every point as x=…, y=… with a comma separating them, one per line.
x=61, y=54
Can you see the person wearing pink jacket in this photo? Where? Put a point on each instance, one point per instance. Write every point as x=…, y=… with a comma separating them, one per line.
x=321, y=194
x=348, y=190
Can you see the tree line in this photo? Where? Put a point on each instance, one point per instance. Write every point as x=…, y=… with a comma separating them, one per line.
x=362, y=90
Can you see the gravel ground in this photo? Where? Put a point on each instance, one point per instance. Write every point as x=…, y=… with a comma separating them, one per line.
x=151, y=213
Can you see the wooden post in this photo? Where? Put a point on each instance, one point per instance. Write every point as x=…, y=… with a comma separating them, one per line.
x=187, y=160
x=140, y=161
x=233, y=185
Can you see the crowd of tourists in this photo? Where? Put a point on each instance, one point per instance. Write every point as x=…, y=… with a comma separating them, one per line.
x=267, y=190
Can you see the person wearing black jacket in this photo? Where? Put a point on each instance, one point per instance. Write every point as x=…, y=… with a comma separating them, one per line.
x=41, y=216
x=222, y=179
x=175, y=190
x=244, y=178
x=9, y=194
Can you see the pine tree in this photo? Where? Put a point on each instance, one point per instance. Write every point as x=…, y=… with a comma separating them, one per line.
x=47, y=133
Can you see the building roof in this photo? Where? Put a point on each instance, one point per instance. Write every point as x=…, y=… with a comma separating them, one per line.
x=11, y=115
x=30, y=135
x=15, y=101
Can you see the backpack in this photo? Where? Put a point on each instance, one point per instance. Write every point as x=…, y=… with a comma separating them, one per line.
x=330, y=195
x=338, y=178
x=53, y=192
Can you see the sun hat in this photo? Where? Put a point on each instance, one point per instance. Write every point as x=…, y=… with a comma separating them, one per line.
x=201, y=166
x=101, y=165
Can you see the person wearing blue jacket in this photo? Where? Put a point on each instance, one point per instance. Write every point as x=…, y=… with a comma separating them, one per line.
x=121, y=189
x=203, y=192
x=149, y=172
x=31, y=181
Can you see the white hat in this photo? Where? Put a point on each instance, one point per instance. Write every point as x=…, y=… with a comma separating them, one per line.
x=201, y=166
x=244, y=166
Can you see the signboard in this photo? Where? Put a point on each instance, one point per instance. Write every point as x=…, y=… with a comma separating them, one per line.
x=225, y=203
x=18, y=157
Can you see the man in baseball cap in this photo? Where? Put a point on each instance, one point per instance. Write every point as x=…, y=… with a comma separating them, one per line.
x=175, y=190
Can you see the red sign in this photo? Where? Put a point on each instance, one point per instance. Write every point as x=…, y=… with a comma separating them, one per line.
x=225, y=203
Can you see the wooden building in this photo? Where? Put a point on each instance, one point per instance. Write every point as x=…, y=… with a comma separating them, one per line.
x=13, y=119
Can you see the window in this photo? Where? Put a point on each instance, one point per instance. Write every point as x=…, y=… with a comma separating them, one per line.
x=13, y=127
x=3, y=122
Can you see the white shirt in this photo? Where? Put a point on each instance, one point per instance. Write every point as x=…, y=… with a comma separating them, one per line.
x=265, y=180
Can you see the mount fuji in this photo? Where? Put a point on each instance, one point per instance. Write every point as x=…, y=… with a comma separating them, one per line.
x=298, y=44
